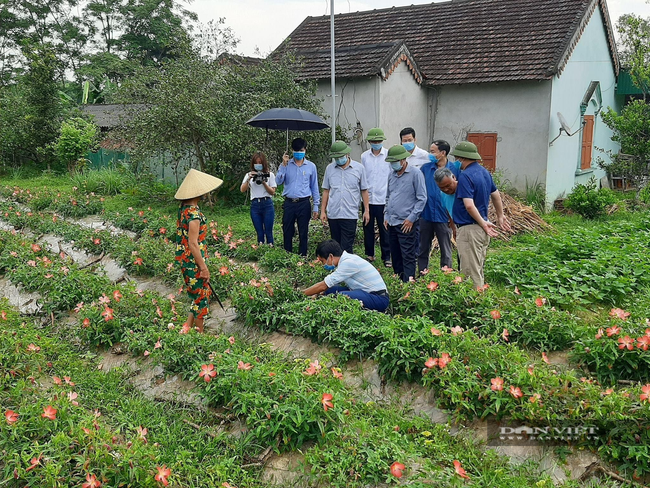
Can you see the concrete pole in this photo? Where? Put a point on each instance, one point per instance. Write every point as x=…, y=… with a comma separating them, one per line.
x=333, y=75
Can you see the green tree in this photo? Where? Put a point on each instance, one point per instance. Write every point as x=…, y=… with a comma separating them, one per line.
x=635, y=49
x=632, y=131
x=77, y=136
x=195, y=109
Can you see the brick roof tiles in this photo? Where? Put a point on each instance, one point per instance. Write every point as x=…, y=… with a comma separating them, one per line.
x=454, y=42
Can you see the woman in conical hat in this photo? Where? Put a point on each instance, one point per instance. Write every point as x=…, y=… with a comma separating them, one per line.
x=191, y=251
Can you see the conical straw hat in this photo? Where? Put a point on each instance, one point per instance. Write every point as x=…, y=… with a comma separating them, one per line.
x=195, y=184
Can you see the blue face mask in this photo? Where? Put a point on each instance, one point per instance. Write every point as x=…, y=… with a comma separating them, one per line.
x=329, y=267
x=396, y=165
x=258, y=167
x=433, y=158
x=409, y=146
x=341, y=161
x=376, y=147
x=298, y=155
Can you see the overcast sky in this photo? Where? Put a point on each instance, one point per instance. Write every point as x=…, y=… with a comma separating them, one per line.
x=263, y=24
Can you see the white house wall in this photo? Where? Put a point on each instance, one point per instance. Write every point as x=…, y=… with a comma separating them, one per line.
x=516, y=112
x=359, y=102
x=404, y=103
x=590, y=61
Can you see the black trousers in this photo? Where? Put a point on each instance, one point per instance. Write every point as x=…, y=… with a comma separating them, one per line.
x=440, y=230
x=343, y=231
x=376, y=215
x=403, y=249
x=299, y=212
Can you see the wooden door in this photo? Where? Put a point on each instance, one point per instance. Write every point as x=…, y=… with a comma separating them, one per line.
x=587, y=142
x=486, y=143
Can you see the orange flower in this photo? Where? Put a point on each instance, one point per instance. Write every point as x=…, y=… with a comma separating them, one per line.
x=207, y=372
x=396, y=469
x=33, y=348
x=497, y=384
x=495, y=314
x=643, y=342
x=57, y=380
x=314, y=368
x=435, y=332
x=505, y=334
x=433, y=286
x=91, y=482
x=626, y=342
x=34, y=462
x=117, y=295
x=162, y=230
x=613, y=331
x=535, y=398
x=645, y=396
x=457, y=330
x=224, y=270
x=327, y=401
x=138, y=262
x=3, y=314
x=231, y=339
x=444, y=360
x=36, y=247
x=599, y=335
x=457, y=280
x=431, y=362
x=459, y=470
x=11, y=416
x=49, y=412
x=163, y=474
x=540, y=301
x=545, y=358
x=336, y=372
x=97, y=241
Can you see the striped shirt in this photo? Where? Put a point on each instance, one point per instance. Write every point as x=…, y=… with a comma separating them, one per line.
x=357, y=273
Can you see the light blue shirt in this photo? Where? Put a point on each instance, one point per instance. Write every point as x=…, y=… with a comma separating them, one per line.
x=299, y=181
x=407, y=195
x=377, y=171
x=357, y=273
x=345, y=186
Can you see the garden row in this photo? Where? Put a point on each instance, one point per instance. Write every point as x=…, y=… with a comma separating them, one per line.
x=55, y=431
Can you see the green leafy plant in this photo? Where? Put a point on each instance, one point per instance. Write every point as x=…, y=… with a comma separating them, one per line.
x=588, y=201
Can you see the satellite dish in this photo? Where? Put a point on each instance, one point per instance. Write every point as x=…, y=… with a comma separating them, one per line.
x=563, y=123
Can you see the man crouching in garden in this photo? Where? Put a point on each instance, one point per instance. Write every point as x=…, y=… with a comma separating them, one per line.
x=364, y=283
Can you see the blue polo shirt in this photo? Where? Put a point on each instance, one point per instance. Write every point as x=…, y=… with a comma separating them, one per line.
x=474, y=182
x=439, y=205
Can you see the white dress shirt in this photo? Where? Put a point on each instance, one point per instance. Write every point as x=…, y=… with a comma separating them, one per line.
x=377, y=171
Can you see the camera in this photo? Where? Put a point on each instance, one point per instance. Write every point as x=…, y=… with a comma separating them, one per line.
x=259, y=178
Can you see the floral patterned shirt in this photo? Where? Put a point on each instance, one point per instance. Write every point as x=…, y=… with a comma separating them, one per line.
x=186, y=214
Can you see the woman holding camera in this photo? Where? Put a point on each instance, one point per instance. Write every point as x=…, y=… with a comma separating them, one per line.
x=261, y=183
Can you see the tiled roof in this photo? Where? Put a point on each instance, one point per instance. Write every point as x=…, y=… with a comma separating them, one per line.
x=454, y=42
x=111, y=115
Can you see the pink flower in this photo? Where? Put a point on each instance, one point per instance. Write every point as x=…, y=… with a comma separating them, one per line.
x=457, y=330
x=244, y=366
x=446, y=270
x=497, y=384
x=516, y=392
x=36, y=247
x=613, y=331
x=435, y=332
x=31, y=263
x=505, y=335
x=457, y=280
x=185, y=329
x=336, y=372
x=495, y=314
x=97, y=241
x=138, y=262
x=91, y=482
x=517, y=292
x=107, y=314
x=146, y=353
x=117, y=296
x=314, y=368
x=231, y=339
x=327, y=401
x=33, y=348
x=158, y=345
x=223, y=271
x=79, y=306
x=396, y=469
x=57, y=380
x=162, y=230
x=599, y=335
x=626, y=342
x=535, y=398
x=619, y=313
x=207, y=372
x=72, y=396
x=3, y=315
x=104, y=300
x=433, y=286
x=540, y=301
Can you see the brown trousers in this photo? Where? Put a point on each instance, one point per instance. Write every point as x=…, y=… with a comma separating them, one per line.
x=472, y=243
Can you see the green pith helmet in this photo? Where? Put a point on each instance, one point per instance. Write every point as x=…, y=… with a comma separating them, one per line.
x=397, y=153
x=339, y=149
x=467, y=150
x=376, y=134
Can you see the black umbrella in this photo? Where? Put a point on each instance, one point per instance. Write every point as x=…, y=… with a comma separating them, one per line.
x=287, y=119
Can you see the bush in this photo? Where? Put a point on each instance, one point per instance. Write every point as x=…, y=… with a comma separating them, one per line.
x=105, y=181
x=588, y=201
x=76, y=138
